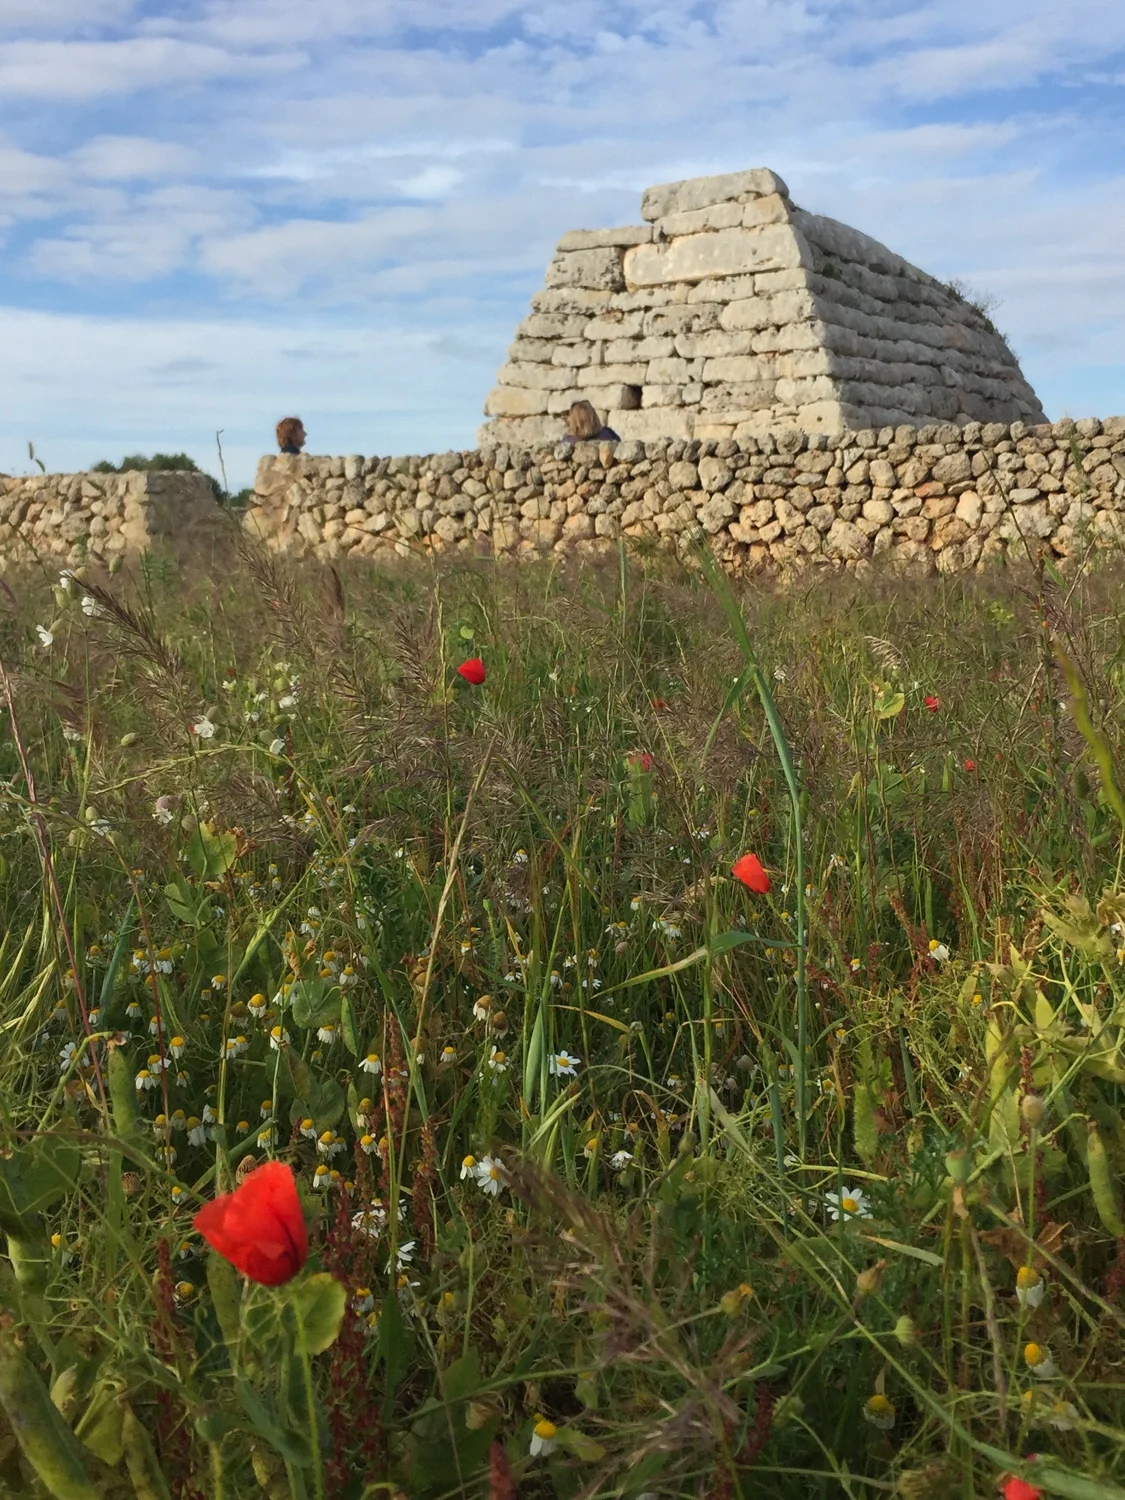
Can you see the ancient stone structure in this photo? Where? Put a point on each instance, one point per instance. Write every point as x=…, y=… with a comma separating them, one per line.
x=80, y=517
x=730, y=313
x=939, y=497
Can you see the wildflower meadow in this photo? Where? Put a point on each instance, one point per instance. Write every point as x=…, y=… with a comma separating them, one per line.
x=576, y=1029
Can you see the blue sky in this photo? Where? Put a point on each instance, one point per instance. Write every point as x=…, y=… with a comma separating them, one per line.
x=218, y=212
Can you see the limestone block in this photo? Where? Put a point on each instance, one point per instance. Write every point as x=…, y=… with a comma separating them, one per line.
x=714, y=475
x=615, y=325
x=537, y=351
x=595, y=270
x=695, y=220
x=683, y=475
x=533, y=377
x=770, y=311
x=701, y=192
x=625, y=351
x=846, y=540
x=648, y=425
x=715, y=513
x=736, y=369
x=725, y=252
x=670, y=372
x=511, y=401
x=715, y=343
x=954, y=467
x=616, y=374
x=600, y=239
x=970, y=508
x=578, y=354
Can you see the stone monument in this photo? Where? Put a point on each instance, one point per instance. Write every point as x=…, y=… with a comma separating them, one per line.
x=730, y=312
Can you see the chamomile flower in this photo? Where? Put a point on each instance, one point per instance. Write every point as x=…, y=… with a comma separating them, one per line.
x=1037, y=1358
x=368, y=1144
x=544, y=1436
x=196, y=1131
x=938, y=951
x=448, y=1055
x=620, y=1160
x=482, y=1008
x=490, y=1176
x=469, y=1165
x=563, y=1065
x=278, y=1038
x=257, y=1006
x=66, y=1057
x=498, y=1061
x=322, y=1178
x=145, y=1081
x=327, y=1033
x=372, y=1064
x=879, y=1410
x=1030, y=1287
x=176, y=1046
x=850, y=1204
x=203, y=729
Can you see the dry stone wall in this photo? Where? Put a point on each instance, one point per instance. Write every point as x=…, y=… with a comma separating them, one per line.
x=79, y=517
x=938, y=497
x=730, y=313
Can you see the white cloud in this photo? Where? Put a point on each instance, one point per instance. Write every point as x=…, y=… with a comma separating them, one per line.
x=88, y=388
x=60, y=15
x=75, y=71
x=124, y=158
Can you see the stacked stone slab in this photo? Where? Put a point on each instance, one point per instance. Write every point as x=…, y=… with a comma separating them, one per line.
x=94, y=517
x=731, y=313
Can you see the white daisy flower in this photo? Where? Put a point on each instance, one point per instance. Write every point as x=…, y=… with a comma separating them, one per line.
x=563, y=1065
x=850, y=1204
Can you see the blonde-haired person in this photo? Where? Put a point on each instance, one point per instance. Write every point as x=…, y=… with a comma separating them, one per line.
x=291, y=436
x=583, y=425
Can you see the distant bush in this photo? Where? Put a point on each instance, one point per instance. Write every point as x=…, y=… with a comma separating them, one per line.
x=169, y=461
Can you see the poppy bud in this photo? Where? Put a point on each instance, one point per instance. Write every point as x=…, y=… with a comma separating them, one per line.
x=752, y=873
x=472, y=671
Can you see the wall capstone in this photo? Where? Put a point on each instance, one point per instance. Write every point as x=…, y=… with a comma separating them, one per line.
x=940, y=497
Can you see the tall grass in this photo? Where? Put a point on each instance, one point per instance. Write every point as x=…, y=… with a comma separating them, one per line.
x=785, y=1190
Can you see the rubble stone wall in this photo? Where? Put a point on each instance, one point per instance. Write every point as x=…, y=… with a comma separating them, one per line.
x=938, y=497
x=730, y=312
x=90, y=517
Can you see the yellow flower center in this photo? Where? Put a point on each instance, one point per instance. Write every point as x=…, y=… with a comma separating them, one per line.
x=1027, y=1277
x=545, y=1429
x=849, y=1205
x=1034, y=1354
x=469, y=1162
x=879, y=1406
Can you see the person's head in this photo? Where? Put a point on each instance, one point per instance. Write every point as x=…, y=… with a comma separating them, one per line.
x=290, y=433
x=582, y=421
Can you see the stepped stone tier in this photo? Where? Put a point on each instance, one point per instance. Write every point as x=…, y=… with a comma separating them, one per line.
x=730, y=313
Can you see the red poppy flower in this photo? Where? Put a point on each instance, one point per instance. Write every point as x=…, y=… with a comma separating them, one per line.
x=750, y=870
x=259, y=1227
x=658, y=704
x=472, y=670
x=932, y=702
x=640, y=760
x=1019, y=1489
x=970, y=765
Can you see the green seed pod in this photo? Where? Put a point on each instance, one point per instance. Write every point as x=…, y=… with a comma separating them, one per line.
x=122, y=1093
x=905, y=1332
x=141, y=1460
x=100, y=1427
x=1102, y=1184
x=128, y=739
x=865, y=1131
x=115, y=563
x=47, y=1442
x=30, y=1263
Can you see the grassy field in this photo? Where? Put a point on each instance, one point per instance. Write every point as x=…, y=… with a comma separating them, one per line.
x=621, y=1178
